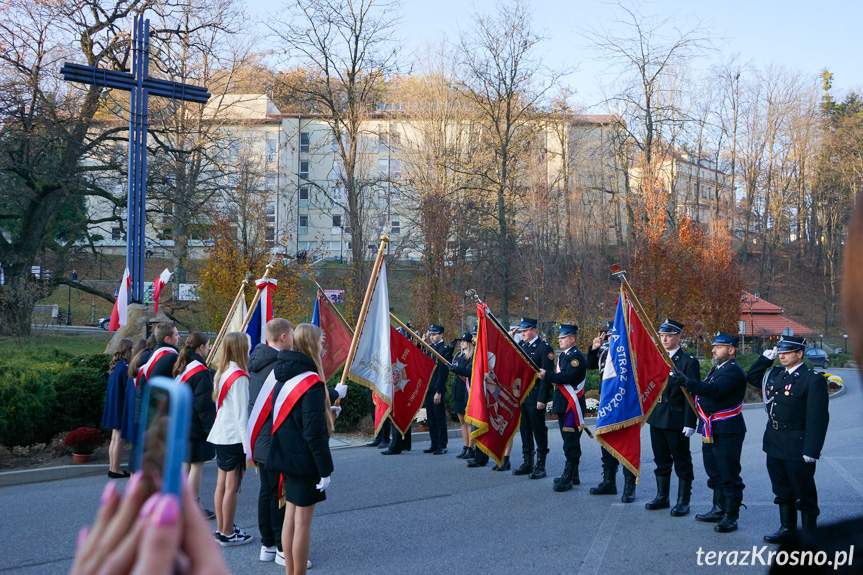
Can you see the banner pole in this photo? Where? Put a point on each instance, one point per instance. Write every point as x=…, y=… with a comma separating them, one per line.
x=224, y=327
x=255, y=299
x=419, y=339
x=365, y=307
x=621, y=275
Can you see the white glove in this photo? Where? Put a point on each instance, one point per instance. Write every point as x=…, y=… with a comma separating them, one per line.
x=342, y=390
x=325, y=481
x=336, y=410
x=808, y=459
x=688, y=431
x=771, y=353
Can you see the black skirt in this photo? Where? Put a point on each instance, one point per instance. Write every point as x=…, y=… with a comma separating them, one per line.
x=300, y=490
x=200, y=451
x=459, y=395
x=231, y=457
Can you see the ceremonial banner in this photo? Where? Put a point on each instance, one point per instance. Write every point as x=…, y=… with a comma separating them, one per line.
x=261, y=313
x=411, y=373
x=120, y=312
x=494, y=407
x=634, y=377
x=337, y=335
x=160, y=282
x=235, y=323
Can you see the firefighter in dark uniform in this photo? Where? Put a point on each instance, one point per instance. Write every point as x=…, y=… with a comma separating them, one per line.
x=795, y=398
x=672, y=423
x=719, y=399
x=435, y=403
x=571, y=371
x=596, y=357
x=532, y=425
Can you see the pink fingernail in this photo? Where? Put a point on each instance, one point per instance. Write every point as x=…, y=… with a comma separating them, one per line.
x=82, y=536
x=167, y=511
x=133, y=483
x=147, y=507
x=109, y=490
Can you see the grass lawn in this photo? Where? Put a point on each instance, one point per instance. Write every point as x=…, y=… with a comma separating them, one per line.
x=44, y=345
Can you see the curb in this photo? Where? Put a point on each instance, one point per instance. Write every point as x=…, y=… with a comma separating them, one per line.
x=22, y=476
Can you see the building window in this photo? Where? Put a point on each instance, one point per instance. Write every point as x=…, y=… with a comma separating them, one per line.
x=304, y=142
x=383, y=167
x=383, y=143
x=338, y=170
x=337, y=220
x=272, y=148
x=116, y=234
x=396, y=227
x=304, y=170
x=304, y=224
x=395, y=168
x=270, y=216
x=304, y=196
x=271, y=181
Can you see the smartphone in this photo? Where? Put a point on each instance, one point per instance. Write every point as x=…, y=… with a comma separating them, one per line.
x=163, y=436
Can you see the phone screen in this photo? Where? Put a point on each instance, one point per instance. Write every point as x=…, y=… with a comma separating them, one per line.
x=156, y=437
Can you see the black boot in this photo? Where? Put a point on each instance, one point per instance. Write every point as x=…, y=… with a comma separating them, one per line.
x=573, y=477
x=809, y=521
x=505, y=465
x=464, y=453
x=539, y=469
x=628, y=488
x=377, y=441
x=564, y=482
x=787, y=524
x=526, y=467
x=732, y=513
x=479, y=459
x=663, y=486
x=684, y=491
x=716, y=514
x=608, y=485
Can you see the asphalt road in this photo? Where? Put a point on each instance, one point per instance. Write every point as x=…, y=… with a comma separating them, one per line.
x=424, y=514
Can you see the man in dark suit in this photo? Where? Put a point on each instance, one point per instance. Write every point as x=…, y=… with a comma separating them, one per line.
x=719, y=400
x=795, y=398
x=435, y=403
x=672, y=423
x=571, y=372
x=532, y=426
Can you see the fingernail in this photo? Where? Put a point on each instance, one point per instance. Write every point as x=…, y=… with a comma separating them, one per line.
x=167, y=511
x=133, y=483
x=147, y=507
x=82, y=536
x=109, y=490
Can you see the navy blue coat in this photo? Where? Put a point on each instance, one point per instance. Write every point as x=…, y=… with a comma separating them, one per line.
x=723, y=388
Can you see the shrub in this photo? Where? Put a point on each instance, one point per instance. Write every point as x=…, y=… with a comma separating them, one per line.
x=28, y=397
x=81, y=393
x=84, y=440
x=355, y=406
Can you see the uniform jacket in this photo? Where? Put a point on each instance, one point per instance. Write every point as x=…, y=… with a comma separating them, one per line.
x=797, y=416
x=462, y=368
x=672, y=411
x=438, y=380
x=301, y=443
x=203, y=407
x=573, y=370
x=261, y=363
x=596, y=357
x=543, y=356
x=723, y=388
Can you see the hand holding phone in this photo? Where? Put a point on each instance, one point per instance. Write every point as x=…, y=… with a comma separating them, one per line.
x=164, y=437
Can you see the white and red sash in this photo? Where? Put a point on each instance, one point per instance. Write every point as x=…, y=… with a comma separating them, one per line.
x=290, y=393
x=192, y=368
x=226, y=381
x=147, y=367
x=572, y=395
x=260, y=412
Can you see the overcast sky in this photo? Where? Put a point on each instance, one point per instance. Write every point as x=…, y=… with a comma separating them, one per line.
x=803, y=35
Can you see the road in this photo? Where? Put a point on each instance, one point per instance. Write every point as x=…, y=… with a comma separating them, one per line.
x=418, y=514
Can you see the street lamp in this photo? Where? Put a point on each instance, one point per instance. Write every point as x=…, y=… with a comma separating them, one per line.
x=821, y=337
x=846, y=342
x=69, y=300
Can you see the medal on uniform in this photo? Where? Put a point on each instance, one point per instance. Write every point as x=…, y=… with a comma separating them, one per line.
x=574, y=363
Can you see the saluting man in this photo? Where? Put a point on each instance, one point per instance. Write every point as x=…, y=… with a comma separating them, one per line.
x=533, y=407
x=795, y=398
x=719, y=402
x=672, y=423
x=570, y=377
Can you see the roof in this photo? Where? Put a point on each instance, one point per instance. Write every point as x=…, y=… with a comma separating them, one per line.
x=765, y=319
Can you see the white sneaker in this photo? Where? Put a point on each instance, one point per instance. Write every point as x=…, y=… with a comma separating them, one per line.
x=308, y=563
x=234, y=539
x=268, y=553
x=280, y=560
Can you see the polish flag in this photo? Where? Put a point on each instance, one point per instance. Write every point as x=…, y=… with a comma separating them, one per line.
x=160, y=282
x=119, y=314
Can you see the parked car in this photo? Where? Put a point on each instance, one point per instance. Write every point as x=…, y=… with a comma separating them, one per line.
x=817, y=357
x=104, y=322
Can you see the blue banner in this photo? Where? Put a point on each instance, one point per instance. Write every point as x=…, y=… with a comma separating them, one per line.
x=316, y=313
x=618, y=403
x=255, y=327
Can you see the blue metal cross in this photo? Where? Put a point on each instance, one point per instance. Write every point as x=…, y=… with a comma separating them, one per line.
x=141, y=86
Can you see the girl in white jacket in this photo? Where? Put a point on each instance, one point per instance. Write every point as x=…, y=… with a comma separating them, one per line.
x=231, y=395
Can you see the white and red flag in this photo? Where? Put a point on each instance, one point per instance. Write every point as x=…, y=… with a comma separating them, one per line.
x=120, y=313
x=160, y=282
x=500, y=380
x=261, y=313
x=411, y=373
x=337, y=335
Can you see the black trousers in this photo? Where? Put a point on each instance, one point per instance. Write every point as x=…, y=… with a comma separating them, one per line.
x=532, y=426
x=400, y=443
x=571, y=441
x=270, y=517
x=609, y=462
x=722, y=464
x=794, y=483
x=436, y=414
x=384, y=433
x=671, y=447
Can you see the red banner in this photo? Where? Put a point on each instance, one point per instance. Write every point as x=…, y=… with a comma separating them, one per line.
x=337, y=337
x=500, y=380
x=412, y=372
x=651, y=363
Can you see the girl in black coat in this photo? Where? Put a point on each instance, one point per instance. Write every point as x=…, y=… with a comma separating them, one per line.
x=461, y=366
x=300, y=449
